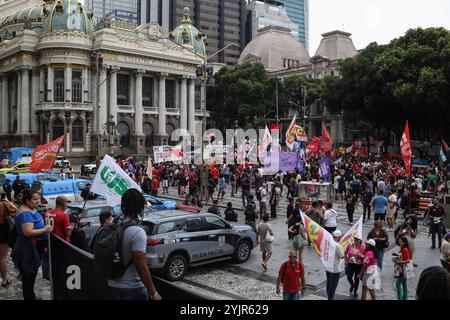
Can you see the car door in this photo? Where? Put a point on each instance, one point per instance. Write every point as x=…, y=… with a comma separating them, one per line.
x=194, y=239
x=91, y=216
x=220, y=237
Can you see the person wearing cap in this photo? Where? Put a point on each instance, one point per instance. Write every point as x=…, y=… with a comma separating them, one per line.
x=445, y=252
x=381, y=239
x=334, y=273
x=370, y=272
x=354, y=258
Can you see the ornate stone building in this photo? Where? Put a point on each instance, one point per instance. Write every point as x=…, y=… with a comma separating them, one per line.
x=145, y=85
x=283, y=56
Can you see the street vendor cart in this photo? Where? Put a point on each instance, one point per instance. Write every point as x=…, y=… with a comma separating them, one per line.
x=315, y=191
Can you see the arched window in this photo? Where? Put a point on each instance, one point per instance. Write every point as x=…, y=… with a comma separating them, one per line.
x=59, y=86
x=124, y=130
x=77, y=133
x=149, y=135
x=76, y=87
x=58, y=128
x=169, y=129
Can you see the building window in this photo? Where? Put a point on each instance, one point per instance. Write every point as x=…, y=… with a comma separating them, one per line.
x=149, y=135
x=76, y=87
x=169, y=129
x=77, y=133
x=198, y=98
x=124, y=130
x=147, y=92
x=123, y=92
x=58, y=128
x=59, y=86
x=170, y=94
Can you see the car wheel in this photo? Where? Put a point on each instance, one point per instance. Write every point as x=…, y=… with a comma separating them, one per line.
x=243, y=251
x=176, y=267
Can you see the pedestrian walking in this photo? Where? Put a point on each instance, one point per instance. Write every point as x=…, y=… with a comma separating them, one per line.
x=366, y=199
x=369, y=274
x=292, y=276
x=299, y=238
x=329, y=218
x=264, y=238
x=350, y=205
x=250, y=213
x=354, y=258
x=437, y=214
x=381, y=238
x=402, y=259
x=334, y=273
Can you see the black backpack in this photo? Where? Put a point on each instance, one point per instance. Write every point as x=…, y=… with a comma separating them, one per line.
x=250, y=214
x=245, y=183
x=108, y=255
x=258, y=194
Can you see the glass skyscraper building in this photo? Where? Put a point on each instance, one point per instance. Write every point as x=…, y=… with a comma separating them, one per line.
x=298, y=12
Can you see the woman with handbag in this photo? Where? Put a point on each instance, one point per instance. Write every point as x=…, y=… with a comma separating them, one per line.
x=299, y=240
x=402, y=260
x=7, y=209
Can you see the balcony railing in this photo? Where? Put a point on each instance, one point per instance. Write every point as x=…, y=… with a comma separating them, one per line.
x=66, y=106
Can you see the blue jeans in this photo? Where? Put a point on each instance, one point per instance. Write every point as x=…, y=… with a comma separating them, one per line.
x=130, y=294
x=291, y=295
x=380, y=255
x=332, y=283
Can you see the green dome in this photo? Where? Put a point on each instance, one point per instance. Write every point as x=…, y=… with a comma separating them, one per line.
x=30, y=14
x=67, y=16
x=187, y=34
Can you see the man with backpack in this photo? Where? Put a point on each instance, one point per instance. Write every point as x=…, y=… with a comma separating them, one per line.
x=245, y=184
x=261, y=195
x=292, y=275
x=106, y=219
x=119, y=253
x=250, y=213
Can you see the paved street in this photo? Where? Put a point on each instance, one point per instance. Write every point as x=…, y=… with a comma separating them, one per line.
x=228, y=280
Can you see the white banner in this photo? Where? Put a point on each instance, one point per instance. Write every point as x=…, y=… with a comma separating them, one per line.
x=167, y=154
x=112, y=182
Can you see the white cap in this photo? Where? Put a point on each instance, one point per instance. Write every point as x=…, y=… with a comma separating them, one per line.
x=371, y=242
x=358, y=237
x=337, y=234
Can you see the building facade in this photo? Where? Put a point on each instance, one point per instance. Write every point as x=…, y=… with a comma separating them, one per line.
x=298, y=11
x=224, y=22
x=61, y=74
x=283, y=57
x=9, y=7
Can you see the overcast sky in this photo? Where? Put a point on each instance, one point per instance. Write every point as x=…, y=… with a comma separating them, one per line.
x=374, y=20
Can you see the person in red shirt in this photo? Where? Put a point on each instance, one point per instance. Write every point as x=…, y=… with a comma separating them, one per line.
x=292, y=274
x=155, y=186
x=403, y=259
x=59, y=219
x=215, y=174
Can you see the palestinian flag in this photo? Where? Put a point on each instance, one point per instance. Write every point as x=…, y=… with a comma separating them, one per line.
x=443, y=156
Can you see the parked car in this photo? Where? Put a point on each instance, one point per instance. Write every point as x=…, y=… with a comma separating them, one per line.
x=71, y=189
x=18, y=168
x=61, y=162
x=179, y=239
x=90, y=212
x=160, y=204
x=90, y=168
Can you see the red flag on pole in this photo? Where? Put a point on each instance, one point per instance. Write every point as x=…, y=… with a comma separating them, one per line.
x=43, y=157
x=405, y=147
x=326, y=140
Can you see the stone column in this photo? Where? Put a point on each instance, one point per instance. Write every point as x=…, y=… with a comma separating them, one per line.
x=85, y=84
x=191, y=108
x=19, y=102
x=138, y=114
x=155, y=92
x=5, y=105
x=183, y=104
x=133, y=90
x=42, y=86
x=25, y=106
x=113, y=93
x=50, y=83
x=68, y=83
x=103, y=108
x=162, y=106
x=35, y=97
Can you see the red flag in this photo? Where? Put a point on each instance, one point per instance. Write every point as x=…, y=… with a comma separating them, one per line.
x=314, y=146
x=445, y=146
x=43, y=157
x=326, y=140
x=274, y=126
x=405, y=147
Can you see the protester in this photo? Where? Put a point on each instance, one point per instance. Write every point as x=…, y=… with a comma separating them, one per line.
x=350, y=205
x=214, y=208
x=379, y=203
x=264, y=238
x=292, y=275
x=334, y=273
x=86, y=193
x=211, y=188
x=30, y=229
x=106, y=218
x=59, y=219
x=250, y=213
x=299, y=238
x=369, y=274
x=329, y=219
x=434, y=284
x=136, y=283
x=409, y=230
x=381, y=238
x=354, y=260
x=7, y=210
x=17, y=187
x=366, y=199
x=262, y=200
x=230, y=214
x=155, y=186
x=222, y=185
x=437, y=213
x=274, y=200
x=391, y=210
x=7, y=189
x=402, y=259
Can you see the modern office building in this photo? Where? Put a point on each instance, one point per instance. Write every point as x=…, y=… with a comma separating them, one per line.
x=223, y=22
x=123, y=9
x=268, y=13
x=298, y=11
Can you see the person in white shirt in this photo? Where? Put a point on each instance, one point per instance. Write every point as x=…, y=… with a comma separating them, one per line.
x=391, y=209
x=334, y=274
x=263, y=202
x=329, y=218
x=270, y=186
